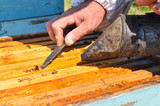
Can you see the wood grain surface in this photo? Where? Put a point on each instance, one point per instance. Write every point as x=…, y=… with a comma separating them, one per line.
x=67, y=80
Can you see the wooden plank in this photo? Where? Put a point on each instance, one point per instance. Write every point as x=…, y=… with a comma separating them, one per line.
x=143, y=97
x=155, y=70
x=25, y=70
x=81, y=42
x=29, y=36
x=43, y=39
x=26, y=66
x=80, y=76
x=130, y=77
x=88, y=90
x=116, y=62
x=34, y=40
x=5, y=39
x=139, y=64
x=75, y=93
x=18, y=9
x=12, y=28
x=47, y=41
x=10, y=47
x=24, y=55
x=157, y=58
x=21, y=61
x=10, y=44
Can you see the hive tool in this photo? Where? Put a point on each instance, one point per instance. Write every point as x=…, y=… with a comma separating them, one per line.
x=127, y=4
x=54, y=53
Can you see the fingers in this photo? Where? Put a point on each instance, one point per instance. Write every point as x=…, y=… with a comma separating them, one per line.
x=50, y=31
x=145, y=2
x=55, y=32
x=55, y=28
x=77, y=33
x=82, y=17
x=58, y=34
x=155, y=7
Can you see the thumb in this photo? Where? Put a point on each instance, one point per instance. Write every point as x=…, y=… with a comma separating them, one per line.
x=77, y=33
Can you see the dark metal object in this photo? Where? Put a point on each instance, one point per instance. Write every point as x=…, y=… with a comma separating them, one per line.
x=108, y=43
x=55, y=52
x=118, y=40
x=114, y=29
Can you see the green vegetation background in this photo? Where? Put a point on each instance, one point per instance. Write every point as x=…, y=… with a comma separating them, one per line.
x=133, y=10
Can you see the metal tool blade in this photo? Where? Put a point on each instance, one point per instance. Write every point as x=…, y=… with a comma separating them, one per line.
x=55, y=52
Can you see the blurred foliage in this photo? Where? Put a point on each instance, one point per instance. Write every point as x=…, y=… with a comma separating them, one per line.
x=67, y=4
x=138, y=9
x=134, y=10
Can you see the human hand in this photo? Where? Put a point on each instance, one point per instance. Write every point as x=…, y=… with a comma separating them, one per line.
x=86, y=17
x=153, y=4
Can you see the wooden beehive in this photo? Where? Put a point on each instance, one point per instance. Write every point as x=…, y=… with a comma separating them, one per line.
x=67, y=80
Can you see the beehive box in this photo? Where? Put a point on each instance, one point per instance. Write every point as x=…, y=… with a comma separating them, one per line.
x=19, y=17
x=67, y=80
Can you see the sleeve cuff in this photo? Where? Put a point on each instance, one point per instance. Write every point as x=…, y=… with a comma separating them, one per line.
x=112, y=7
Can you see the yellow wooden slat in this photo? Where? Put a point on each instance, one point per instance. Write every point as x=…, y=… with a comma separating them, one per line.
x=58, y=96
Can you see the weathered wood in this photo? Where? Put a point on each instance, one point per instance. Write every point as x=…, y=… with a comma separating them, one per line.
x=26, y=68
x=34, y=40
x=11, y=10
x=67, y=79
x=156, y=57
x=48, y=40
x=145, y=95
x=78, y=75
x=12, y=28
x=139, y=64
x=29, y=36
x=155, y=70
x=6, y=39
x=80, y=42
x=21, y=61
x=45, y=43
x=115, y=62
x=77, y=92
x=16, y=46
x=10, y=44
x=24, y=55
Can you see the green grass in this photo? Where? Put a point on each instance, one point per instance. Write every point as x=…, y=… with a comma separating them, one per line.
x=134, y=10
x=139, y=9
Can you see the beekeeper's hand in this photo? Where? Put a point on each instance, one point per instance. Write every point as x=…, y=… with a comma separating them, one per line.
x=153, y=4
x=85, y=17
